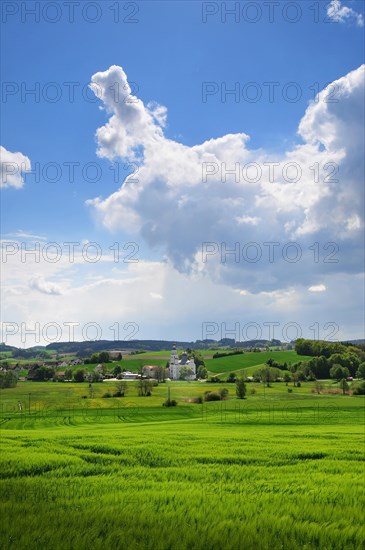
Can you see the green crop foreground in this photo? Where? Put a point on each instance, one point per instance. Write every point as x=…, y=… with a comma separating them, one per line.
x=277, y=470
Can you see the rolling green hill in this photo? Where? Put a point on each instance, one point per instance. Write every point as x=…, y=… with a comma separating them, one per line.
x=237, y=362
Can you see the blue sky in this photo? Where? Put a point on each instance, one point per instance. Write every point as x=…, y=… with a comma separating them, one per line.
x=168, y=55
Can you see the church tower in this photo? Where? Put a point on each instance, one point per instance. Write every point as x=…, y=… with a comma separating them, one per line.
x=174, y=364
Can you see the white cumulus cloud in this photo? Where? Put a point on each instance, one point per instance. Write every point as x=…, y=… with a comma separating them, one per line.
x=223, y=192
x=43, y=286
x=12, y=167
x=343, y=14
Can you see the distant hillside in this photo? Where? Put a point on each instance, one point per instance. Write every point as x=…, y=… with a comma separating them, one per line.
x=259, y=343
x=101, y=345
x=4, y=347
x=154, y=345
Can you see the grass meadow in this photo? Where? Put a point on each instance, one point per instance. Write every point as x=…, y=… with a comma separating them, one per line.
x=237, y=363
x=277, y=470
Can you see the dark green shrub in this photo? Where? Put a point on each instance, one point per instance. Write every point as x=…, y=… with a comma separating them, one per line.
x=359, y=390
x=198, y=400
x=8, y=380
x=169, y=403
x=211, y=396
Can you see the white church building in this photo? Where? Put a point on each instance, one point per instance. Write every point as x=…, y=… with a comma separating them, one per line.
x=176, y=364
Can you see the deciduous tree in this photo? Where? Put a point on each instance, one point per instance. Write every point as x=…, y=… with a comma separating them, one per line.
x=79, y=375
x=240, y=388
x=344, y=385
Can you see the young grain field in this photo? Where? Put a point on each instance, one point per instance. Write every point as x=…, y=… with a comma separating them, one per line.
x=276, y=470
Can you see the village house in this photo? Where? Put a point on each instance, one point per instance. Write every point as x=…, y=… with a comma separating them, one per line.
x=130, y=375
x=157, y=372
x=150, y=371
x=115, y=353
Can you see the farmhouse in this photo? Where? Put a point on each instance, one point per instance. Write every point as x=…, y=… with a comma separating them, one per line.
x=150, y=371
x=176, y=365
x=130, y=375
x=115, y=353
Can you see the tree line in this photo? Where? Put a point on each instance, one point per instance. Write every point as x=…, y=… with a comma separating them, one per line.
x=326, y=355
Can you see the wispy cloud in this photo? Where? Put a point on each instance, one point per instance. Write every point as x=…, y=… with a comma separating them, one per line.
x=43, y=286
x=317, y=288
x=20, y=234
x=156, y=296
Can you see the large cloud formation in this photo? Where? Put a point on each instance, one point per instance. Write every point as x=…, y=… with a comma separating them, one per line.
x=221, y=191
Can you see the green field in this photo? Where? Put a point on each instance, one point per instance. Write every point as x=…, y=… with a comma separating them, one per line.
x=238, y=362
x=166, y=353
x=134, y=363
x=277, y=470
x=221, y=365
